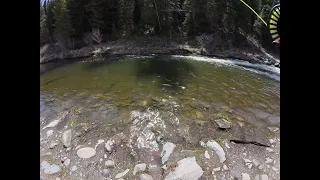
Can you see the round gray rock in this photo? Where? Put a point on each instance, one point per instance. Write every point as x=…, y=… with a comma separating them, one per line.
x=145, y=177
x=86, y=152
x=223, y=124
x=106, y=172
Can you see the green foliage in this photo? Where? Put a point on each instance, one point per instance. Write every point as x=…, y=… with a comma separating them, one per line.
x=44, y=34
x=62, y=23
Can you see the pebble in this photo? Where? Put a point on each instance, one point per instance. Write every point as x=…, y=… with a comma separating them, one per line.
x=269, y=149
x=67, y=162
x=260, y=167
x=58, y=178
x=245, y=176
x=74, y=168
x=109, y=164
x=227, y=145
x=272, y=141
x=187, y=169
x=249, y=166
x=268, y=160
x=241, y=124
x=264, y=177
x=244, y=154
x=145, y=177
x=217, y=149
x=109, y=145
x=217, y=169
x=256, y=162
x=139, y=167
x=275, y=169
x=274, y=129
x=100, y=160
x=206, y=154
x=105, y=156
x=168, y=148
x=257, y=177
x=86, y=152
x=247, y=160
x=50, y=169
x=66, y=138
x=52, y=145
x=120, y=175
x=49, y=133
x=106, y=172
x=225, y=167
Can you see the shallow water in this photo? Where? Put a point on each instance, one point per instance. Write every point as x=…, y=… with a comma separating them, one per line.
x=192, y=90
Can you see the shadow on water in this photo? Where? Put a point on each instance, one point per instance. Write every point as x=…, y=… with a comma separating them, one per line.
x=44, y=68
x=173, y=74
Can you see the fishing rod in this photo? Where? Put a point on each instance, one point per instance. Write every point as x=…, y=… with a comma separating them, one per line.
x=273, y=21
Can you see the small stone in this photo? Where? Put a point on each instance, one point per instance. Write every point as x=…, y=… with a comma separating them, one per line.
x=223, y=124
x=52, y=145
x=256, y=162
x=249, y=166
x=41, y=178
x=105, y=172
x=145, y=177
x=168, y=148
x=268, y=160
x=206, y=154
x=217, y=169
x=100, y=160
x=105, y=156
x=260, y=167
x=247, y=160
x=164, y=167
x=218, y=150
x=109, y=164
x=264, y=177
x=241, y=124
x=244, y=154
x=50, y=169
x=120, y=175
x=225, y=167
x=139, y=167
x=227, y=145
x=273, y=129
x=187, y=168
x=245, y=176
x=274, y=168
x=67, y=162
x=49, y=133
x=66, y=138
x=86, y=152
x=74, y=168
x=257, y=177
x=272, y=141
x=58, y=178
x=269, y=149
x=109, y=145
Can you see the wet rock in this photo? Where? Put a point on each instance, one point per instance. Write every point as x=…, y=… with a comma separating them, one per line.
x=264, y=177
x=109, y=164
x=67, y=162
x=166, y=151
x=245, y=176
x=206, y=155
x=86, y=152
x=74, y=168
x=105, y=172
x=52, y=145
x=49, y=133
x=187, y=169
x=66, y=138
x=139, y=167
x=120, y=175
x=145, y=177
x=213, y=145
x=50, y=169
x=223, y=124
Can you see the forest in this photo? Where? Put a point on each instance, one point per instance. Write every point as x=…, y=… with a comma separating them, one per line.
x=77, y=23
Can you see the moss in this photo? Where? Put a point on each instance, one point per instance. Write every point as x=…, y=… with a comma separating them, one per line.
x=220, y=140
x=179, y=147
x=222, y=116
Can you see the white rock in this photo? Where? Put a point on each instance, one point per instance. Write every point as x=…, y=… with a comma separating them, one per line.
x=272, y=141
x=58, y=178
x=49, y=133
x=256, y=162
x=225, y=167
x=187, y=169
x=145, y=177
x=268, y=160
x=106, y=172
x=206, y=155
x=109, y=145
x=227, y=145
x=86, y=152
x=217, y=169
x=67, y=162
x=257, y=177
x=74, y=168
x=50, y=169
x=166, y=151
x=52, y=145
x=52, y=124
x=269, y=149
x=218, y=149
x=245, y=176
x=241, y=124
x=274, y=168
x=202, y=144
x=139, y=167
x=260, y=167
x=66, y=138
x=109, y=164
x=164, y=167
x=223, y=124
x=105, y=156
x=264, y=177
x=274, y=129
x=249, y=166
x=120, y=175
x=245, y=154
x=247, y=160
x=100, y=141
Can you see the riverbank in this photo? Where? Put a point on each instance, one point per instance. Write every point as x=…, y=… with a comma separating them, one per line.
x=158, y=45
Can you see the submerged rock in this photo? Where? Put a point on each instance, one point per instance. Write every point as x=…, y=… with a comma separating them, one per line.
x=223, y=124
x=187, y=169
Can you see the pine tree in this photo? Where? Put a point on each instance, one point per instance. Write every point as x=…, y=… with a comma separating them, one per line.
x=62, y=24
